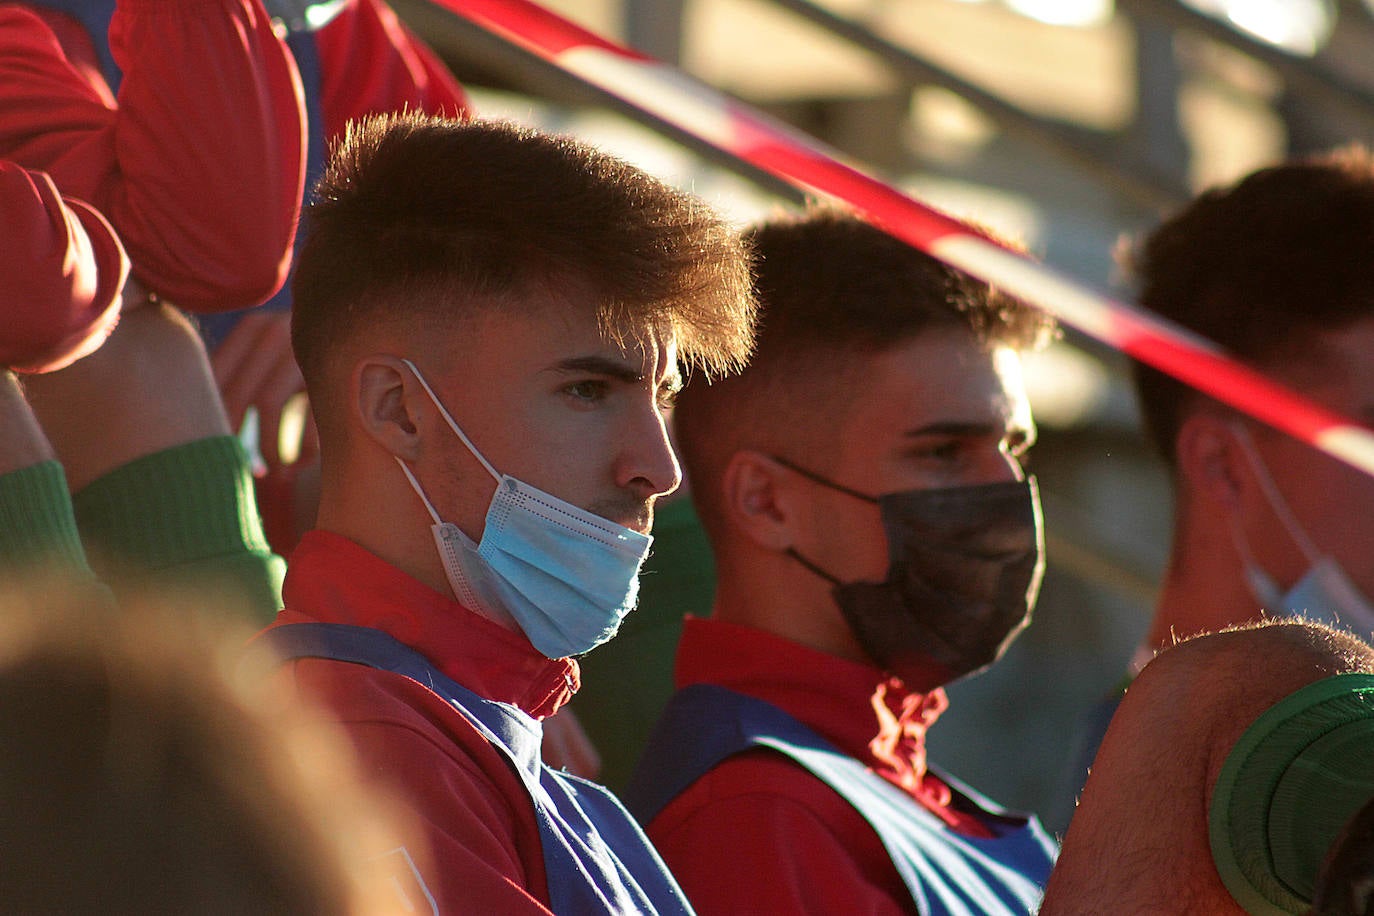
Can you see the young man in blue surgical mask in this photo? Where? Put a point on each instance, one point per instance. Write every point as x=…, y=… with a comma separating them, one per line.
x=876, y=537
x=490, y=323
x=1276, y=269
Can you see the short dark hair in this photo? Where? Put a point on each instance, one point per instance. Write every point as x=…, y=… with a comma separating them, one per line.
x=1259, y=268
x=418, y=215
x=830, y=286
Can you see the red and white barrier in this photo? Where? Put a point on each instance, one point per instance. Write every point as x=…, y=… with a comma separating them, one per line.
x=745, y=134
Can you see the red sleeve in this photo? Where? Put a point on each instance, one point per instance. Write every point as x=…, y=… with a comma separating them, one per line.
x=371, y=63
x=63, y=268
x=484, y=849
x=760, y=835
x=200, y=163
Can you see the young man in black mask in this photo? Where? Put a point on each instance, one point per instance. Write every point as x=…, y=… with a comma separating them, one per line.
x=875, y=538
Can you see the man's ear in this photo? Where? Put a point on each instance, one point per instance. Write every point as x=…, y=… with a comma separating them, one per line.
x=1210, y=460
x=383, y=393
x=757, y=499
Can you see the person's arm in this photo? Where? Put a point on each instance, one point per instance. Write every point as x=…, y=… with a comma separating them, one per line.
x=371, y=63
x=255, y=367
x=200, y=163
x=37, y=527
x=64, y=268
x=163, y=495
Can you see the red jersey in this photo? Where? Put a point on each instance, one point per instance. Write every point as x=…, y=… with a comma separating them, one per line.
x=760, y=834
x=485, y=844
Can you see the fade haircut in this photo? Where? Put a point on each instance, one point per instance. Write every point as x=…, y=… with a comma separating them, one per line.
x=420, y=219
x=832, y=290
x=1260, y=268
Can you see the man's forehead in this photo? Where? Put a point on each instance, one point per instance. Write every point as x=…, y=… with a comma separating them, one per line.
x=571, y=309
x=940, y=383
x=1333, y=368
x=576, y=339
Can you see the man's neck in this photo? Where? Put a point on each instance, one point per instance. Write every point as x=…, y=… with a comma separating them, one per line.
x=1202, y=598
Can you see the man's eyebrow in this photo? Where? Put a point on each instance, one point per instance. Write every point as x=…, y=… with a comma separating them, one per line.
x=952, y=428
x=600, y=365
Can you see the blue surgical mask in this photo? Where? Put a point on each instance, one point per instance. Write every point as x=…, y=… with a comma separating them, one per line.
x=1324, y=593
x=566, y=576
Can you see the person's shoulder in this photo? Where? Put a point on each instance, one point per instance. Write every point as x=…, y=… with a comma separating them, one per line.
x=356, y=696
x=398, y=725
x=477, y=815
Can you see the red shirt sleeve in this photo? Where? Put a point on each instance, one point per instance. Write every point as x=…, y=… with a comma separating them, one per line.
x=484, y=847
x=371, y=63
x=760, y=835
x=199, y=163
x=63, y=268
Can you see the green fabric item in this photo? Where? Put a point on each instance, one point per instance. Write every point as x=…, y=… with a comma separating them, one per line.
x=37, y=526
x=183, y=524
x=1293, y=779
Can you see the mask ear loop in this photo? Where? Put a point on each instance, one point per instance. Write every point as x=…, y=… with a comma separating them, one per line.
x=1262, y=585
x=415, y=485
x=825, y=482
x=453, y=425
x=839, y=487
x=792, y=552
x=1271, y=492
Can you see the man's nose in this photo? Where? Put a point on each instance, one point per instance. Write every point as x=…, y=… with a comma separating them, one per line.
x=649, y=467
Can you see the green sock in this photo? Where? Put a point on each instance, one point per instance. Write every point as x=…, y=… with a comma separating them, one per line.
x=183, y=524
x=37, y=527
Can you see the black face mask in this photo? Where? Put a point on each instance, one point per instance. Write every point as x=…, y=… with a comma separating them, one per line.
x=964, y=571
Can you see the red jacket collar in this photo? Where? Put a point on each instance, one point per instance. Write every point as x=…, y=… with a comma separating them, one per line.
x=858, y=708
x=333, y=580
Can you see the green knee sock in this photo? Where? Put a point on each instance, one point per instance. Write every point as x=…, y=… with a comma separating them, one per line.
x=182, y=524
x=37, y=527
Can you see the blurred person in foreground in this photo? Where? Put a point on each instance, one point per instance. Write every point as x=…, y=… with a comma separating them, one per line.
x=1226, y=776
x=875, y=538
x=145, y=769
x=490, y=322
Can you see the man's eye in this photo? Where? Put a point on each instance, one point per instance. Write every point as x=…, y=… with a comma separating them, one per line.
x=943, y=451
x=589, y=390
